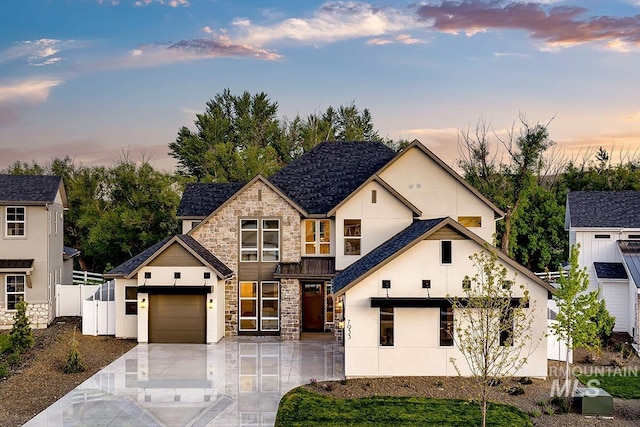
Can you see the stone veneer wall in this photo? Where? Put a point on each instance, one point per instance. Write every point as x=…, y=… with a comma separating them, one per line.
x=290, y=309
x=38, y=314
x=219, y=234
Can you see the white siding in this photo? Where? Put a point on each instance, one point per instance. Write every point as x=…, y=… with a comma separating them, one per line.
x=615, y=294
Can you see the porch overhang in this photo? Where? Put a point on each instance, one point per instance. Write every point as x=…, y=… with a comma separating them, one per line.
x=426, y=302
x=176, y=290
x=322, y=268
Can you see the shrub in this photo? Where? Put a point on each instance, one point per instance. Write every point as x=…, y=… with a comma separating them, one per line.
x=548, y=409
x=74, y=360
x=313, y=382
x=515, y=391
x=525, y=381
x=327, y=387
x=13, y=359
x=535, y=413
x=562, y=403
x=21, y=336
x=4, y=370
x=604, y=322
x=541, y=403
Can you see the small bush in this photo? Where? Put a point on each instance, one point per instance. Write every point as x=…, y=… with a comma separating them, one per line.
x=343, y=381
x=525, y=381
x=327, y=387
x=74, y=360
x=313, y=382
x=4, y=370
x=562, y=404
x=13, y=359
x=21, y=336
x=535, y=413
x=541, y=403
x=548, y=409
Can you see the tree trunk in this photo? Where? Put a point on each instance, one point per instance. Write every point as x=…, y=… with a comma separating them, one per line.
x=504, y=247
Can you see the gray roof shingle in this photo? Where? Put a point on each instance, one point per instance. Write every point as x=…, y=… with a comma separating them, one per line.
x=383, y=252
x=131, y=265
x=610, y=270
x=28, y=188
x=604, y=209
x=200, y=199
x=325, y=175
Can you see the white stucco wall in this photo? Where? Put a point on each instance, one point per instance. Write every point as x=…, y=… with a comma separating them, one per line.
x=126, y=325
x=379, y=221
x=435, y=192
x=416, y=349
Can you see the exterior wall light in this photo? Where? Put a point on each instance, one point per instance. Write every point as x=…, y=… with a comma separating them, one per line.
x=143, y=303
x=210, y=305
x=341, y=324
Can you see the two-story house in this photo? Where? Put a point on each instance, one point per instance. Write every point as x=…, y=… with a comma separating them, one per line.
x=606, y=225
x=31, y=246
x=296, y=252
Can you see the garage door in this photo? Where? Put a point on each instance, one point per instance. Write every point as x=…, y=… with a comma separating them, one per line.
x=177, y=319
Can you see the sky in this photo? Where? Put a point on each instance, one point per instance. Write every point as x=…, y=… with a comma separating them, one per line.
x=101, y=79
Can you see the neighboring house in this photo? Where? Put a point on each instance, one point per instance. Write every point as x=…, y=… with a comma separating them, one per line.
x=283, y=240
x=31, y=246
x=606, y=225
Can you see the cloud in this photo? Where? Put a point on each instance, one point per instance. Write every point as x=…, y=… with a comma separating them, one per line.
x=516, y=54
x=29, y=91
x=634, y=117
x=333, y=21
x=556, y=26
x=172, y=3
x=40, y=52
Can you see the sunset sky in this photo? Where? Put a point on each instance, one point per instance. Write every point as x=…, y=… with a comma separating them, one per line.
x=95, y=78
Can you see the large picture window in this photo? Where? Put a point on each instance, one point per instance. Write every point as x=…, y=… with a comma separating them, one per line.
x=130, y=300
x=259, y=306
x=249, y=240
x=260, y=237
x=15, y=290
x=317, y=238
x=15, y=221
x=352, y=236
x=270, y=240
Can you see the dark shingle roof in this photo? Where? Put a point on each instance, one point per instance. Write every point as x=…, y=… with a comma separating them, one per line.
x=610, y=270
x=28, y=188
x=131, y=265
x=325, y=175
x=383, y=252
x=604, y=209
x=200, y=199
x=630, y=250
x=16, y=263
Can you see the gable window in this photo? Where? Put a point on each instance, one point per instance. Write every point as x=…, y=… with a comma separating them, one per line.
x=602, y=236
x=445, y=252
x=446, y=326
x=386, y=326
x=130, y=300
x=15, y=221
x=15, y=290
x=260, y=237
x=270, y=240
x=352, y=236
x=470, y=221
x=317, y=237
x=374, y=196
x=249, y=240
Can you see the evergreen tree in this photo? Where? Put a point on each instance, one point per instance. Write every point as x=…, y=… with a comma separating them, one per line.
x=21, y=336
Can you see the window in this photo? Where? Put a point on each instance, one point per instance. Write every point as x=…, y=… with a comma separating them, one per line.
x=15, y=221
x=130, y=300
x=446, y=326
x=15, y=290
x=249, y=240
x=445, y=251
x=270, y=240
x=374, y=196
x=602, y=236
x=194, y=224
x=470, y=221
x=269, y=232
x=506, y=328
x=386, y=326
x=634, y=236
x=352, y=236
x=269, y=303
x=265, y=295
x=317, y=237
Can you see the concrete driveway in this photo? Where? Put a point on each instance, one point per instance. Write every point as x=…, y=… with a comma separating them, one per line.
x=237, y=382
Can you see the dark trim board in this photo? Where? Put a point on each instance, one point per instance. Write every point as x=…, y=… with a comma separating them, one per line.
x=175, y=290
x=424, y=302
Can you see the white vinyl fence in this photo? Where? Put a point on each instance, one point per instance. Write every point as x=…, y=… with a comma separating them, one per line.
x=69, y=297
x=99, y=311
x=556, y=350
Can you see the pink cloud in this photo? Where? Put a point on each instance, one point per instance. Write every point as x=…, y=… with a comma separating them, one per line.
x=559, y=25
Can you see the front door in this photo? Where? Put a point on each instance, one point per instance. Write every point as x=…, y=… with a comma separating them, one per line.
x=313, y=307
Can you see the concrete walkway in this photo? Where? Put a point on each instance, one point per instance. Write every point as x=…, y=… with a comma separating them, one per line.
x=237, y=382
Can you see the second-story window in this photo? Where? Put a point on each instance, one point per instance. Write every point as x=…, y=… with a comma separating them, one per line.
x=260, y=237
x=352, y=236
x=15, y=221
x=317, y=237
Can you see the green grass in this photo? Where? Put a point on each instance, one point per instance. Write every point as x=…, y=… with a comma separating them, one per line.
x=301, y=407
x=617, y=385
x=5, y=344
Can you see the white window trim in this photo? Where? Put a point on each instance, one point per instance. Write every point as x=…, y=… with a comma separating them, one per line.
x=263, y=230
x=7, y=222
x=240, y=299
x=359, y=237
x=276, y=298
x=7, y=293
x=130, y=301
x=251, y=250
x=317, y=244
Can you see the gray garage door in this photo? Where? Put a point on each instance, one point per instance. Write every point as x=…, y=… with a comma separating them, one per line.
x=177, y=319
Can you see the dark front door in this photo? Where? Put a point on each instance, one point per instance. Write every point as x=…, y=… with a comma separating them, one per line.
x=312, y=307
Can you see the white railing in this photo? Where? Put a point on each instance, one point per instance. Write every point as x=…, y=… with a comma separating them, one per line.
x=549, y=276
x=87, y=278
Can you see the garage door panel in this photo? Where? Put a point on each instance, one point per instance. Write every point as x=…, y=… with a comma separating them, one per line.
x=177, y=318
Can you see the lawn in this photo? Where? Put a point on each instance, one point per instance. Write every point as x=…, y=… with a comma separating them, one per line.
x=301, y=407
x=617, y=385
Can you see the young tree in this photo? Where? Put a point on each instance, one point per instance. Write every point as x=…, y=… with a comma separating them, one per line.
x=492, y=325
x=21, y=336
x=576, y=310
